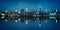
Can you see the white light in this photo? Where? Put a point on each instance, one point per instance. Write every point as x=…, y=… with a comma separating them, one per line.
x=46, y=10
x=2, y=14
x=37, y=18
x=15, y=10
x=16, y=21
x=37, y=12
x=39, y=25
x=54, y=13
x=26, y=21
x=2, y=17
x=56, y=21
x=52, y=17
x=56, y=10
x=18, y=11
x=26, y=9
x=5, y=10
x=5, y=20
x=51, y=13
x=46, y=21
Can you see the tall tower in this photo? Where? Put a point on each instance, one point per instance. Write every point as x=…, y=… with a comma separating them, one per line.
x=22, y=10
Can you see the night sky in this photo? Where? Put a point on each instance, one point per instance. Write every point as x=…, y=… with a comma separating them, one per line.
x=31, y=5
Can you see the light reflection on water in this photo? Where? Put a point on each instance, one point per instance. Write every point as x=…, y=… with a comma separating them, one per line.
x=30, y=26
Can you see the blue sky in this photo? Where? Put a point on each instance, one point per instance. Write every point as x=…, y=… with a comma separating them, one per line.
x=30, y=4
